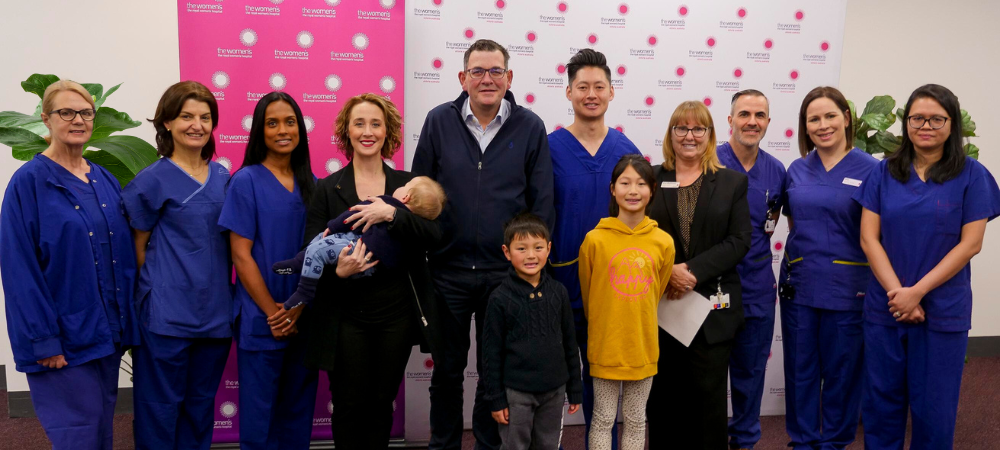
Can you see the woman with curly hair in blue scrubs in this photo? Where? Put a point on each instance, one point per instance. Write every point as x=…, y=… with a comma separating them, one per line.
x=925, y=212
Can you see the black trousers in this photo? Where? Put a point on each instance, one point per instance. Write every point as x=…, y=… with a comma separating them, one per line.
x=687, y=404
x=466, y=292
x=370, y=364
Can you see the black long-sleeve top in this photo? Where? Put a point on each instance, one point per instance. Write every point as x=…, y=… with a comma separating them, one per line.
x=529, y=341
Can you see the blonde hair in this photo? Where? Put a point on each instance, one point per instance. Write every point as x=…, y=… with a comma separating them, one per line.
x=699, y=112
x=49, y=97
x=427, y=198
x=393, y=124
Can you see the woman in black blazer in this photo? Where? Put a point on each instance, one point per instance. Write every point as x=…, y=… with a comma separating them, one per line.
x=362, y=330
x=703, y=206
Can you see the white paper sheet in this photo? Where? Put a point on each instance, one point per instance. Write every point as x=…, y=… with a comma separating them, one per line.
x=682, y=318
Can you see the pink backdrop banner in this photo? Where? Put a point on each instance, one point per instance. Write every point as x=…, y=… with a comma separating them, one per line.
x=321, y=52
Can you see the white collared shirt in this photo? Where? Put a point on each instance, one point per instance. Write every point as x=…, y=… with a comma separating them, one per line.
x=485, y=135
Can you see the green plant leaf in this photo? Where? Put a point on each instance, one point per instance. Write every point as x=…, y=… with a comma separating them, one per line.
x=886, y=142
x=133, y=152
x=17, y=120
x=100, y=101
x=878, y=121
x=901, y=115
x=881, y=104
x=972, y=151
x=968, y=126
x=23, y=143
x=37, y=83
x=96, y=90
x=109, y=120
x=112, y=164
x=860, y=143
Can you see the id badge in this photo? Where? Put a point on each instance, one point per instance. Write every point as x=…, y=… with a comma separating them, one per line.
x=720, y=301
x=769, y=225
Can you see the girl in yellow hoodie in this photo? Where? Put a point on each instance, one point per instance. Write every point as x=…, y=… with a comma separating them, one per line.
x=624, y=265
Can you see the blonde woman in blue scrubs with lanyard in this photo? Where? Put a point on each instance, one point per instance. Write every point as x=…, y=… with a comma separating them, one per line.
x=925, y=213
x=823, y=277
x=184, y=302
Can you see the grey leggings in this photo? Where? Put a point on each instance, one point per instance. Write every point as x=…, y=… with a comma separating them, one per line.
x=634, y=395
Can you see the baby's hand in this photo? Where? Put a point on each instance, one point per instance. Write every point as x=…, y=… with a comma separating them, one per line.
x=501, y=416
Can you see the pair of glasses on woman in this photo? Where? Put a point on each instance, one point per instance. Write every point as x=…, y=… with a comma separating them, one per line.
x=70, y=114
x=496, y=73
x=937, y=122
x=696, y=131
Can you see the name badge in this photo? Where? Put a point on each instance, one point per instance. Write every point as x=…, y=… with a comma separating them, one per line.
x=852, y=182
x=670, y=185
x=769, y=225
x=720, y=301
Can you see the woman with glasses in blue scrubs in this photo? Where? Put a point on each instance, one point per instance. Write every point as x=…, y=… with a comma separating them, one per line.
x=184, y=302
x=68, y=268
x=265, y=212
x=925, y=212
x=823, y=277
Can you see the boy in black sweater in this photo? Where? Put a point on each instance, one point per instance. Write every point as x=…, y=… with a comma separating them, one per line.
x=530, y=358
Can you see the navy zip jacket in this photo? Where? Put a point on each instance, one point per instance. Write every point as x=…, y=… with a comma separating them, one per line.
x=485, y=189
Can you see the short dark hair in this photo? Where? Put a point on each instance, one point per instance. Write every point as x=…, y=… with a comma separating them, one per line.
x=642, y=167
x=485, y=45
x=169, y=107
x=805, y=142
x=749, y=93
x=587, y=58
x=524, y=225
x=952, y=158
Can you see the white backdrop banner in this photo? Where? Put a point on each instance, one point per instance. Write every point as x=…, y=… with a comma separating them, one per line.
x=660, y=52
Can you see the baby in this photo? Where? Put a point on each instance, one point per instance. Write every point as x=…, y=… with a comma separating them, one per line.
x=421, y=195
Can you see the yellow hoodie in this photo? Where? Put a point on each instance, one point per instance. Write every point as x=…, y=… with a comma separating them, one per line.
x=623, y=273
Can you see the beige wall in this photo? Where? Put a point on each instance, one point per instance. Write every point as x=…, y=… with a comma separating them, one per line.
x=894, y=46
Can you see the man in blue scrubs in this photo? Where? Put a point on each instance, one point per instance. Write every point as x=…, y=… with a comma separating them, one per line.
x=749, y=118
x=583, y=156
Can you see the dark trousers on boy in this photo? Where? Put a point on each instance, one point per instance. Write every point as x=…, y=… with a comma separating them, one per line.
x=534, y=420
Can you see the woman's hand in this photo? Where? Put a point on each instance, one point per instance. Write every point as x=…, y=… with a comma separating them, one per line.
x=367, y=215
x=53, y=362
x=285, y=319
x=904, y=300
x=357, y=262
x=673, y=294
x=917, y=316
x=681, y=279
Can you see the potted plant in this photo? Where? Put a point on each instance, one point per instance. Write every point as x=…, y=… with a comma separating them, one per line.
x=872, y=133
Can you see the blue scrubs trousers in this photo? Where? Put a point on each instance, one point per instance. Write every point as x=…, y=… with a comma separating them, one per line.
x=823, y=375
x=747, y=365
x=76, y=405
x=588, y=381
x=277, y=398
x=916, y=370
x=175, y=384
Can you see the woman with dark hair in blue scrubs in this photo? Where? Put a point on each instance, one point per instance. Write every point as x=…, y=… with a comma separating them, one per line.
x=68, y=268
x=184, y=303
x=918, y=307
x=823, y=277
x=265, y=210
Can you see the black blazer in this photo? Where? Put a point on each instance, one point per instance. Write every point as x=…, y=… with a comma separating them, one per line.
x=334, y=195
x=720, y=238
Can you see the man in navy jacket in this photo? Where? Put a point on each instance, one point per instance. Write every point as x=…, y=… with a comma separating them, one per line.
x=492, y=158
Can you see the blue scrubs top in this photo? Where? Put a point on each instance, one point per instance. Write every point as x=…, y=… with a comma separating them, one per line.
x=823, y=252
x=58, y=294
x=765, y=196
x=921, y=223
x=259, y=208
x=184, y=288
x=582, y=185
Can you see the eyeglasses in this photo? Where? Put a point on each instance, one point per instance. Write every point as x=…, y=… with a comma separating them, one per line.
x=696, y=131
x=937, y=122
x=70, y=114
x=496, y=73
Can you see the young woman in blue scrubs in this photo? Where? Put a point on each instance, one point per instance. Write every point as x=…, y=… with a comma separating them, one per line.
x=824, y=276
x=918, y=307
x=265, y=210
x=68, y=268
x=184, y=303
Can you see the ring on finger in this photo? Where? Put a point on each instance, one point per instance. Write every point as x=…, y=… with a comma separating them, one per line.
x=368, y=258
x=896, y=314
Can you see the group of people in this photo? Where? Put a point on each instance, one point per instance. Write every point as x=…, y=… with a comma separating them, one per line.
x=492, y=200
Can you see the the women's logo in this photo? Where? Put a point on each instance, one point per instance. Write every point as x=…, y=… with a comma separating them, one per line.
x=631, y=273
